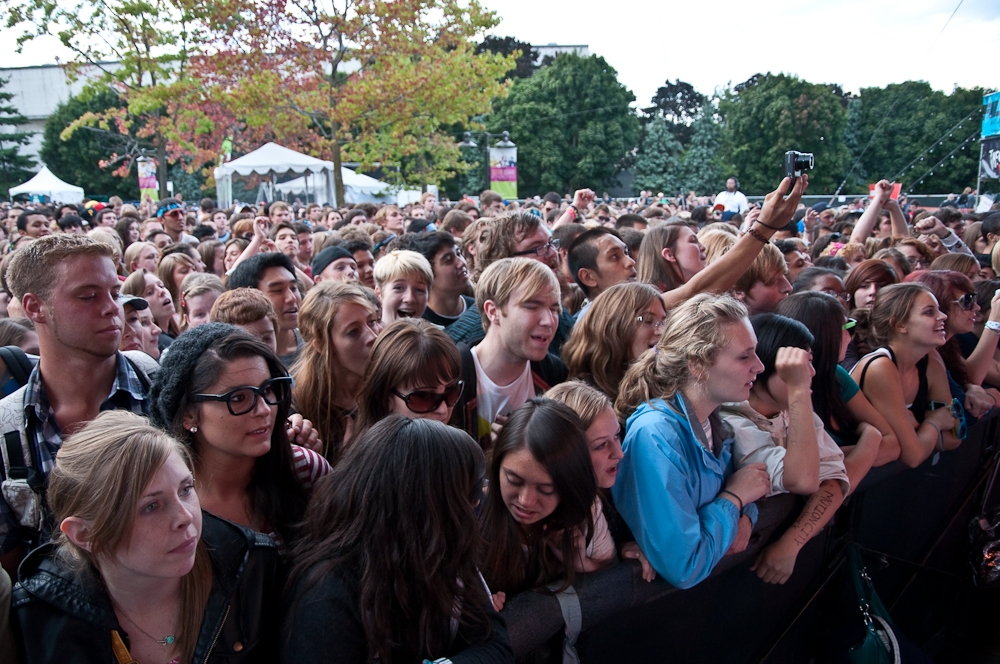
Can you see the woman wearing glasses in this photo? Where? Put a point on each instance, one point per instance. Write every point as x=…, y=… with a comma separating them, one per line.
x=622, y=323
x=226, y=396
x=903, y=379
x=413, y=370
x=957, y=296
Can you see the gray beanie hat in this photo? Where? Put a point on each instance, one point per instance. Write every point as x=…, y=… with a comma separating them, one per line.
x=174, y=377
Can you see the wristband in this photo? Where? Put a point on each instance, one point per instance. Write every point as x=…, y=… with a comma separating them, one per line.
x=993, y=326
x=755, y=234
x=950, y=236
x=734, y=496
x=773, y=228
x=940, y=435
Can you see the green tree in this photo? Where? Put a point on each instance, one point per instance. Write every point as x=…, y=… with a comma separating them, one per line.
x=700, y=168
x=78, y=158
x=857, y=178
x=658, y=166
x=904, y=120
x=679, y=104
x=572, y=124
x=527, y=57
x=15, y=168
x=772, y=113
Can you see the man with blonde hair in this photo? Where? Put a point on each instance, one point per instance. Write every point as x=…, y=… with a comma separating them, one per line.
x=518, y=302
x=765, y=283
x=68, y=287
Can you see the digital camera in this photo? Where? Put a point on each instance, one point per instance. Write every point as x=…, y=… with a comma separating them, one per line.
x=796, y=163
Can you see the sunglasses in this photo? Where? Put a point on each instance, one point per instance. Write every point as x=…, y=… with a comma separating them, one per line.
x=552, y=244
x=851, y=322
x=423, y=401
x=961, y=428
x=242, y=400
x=967, y=302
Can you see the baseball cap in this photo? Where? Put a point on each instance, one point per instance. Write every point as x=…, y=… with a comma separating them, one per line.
x=134, y=301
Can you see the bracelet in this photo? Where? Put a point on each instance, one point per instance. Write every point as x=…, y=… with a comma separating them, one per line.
x=940, y=435
x=734, y=496
x=993, y=326
x=752, y=232
x=773, y=228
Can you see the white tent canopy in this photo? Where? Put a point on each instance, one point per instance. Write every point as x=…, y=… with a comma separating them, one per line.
x=317, y=176
x=45, y=183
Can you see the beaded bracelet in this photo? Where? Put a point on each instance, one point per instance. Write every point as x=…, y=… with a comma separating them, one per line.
x=752, y=232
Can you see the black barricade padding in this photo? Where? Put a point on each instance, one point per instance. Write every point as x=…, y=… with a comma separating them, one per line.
x=918, y=518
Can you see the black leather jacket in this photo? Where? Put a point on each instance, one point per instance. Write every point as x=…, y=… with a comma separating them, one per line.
x=61, y=616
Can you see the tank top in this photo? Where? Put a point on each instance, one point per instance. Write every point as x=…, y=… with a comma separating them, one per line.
x=921, y=401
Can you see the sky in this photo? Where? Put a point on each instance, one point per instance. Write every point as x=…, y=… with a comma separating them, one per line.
x=715, y=43
x=712, y=43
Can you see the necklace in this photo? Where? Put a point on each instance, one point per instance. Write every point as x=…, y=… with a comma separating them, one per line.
x=165, y=641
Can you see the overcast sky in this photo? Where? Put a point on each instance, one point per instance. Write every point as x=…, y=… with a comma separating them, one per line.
x=856, y=43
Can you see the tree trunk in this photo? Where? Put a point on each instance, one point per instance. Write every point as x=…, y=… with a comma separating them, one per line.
x=161, y=165
x=338, y=177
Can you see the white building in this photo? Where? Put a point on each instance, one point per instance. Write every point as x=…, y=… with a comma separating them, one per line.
x=583, y=50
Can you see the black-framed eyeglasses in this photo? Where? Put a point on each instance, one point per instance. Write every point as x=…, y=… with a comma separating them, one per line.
x=242, y=400
x=424, y=401
x=843, y=296
x=967, y=302
x=540, y=250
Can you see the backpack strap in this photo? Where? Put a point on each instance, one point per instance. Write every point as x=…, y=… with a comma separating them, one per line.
x=17, y=362
x=16, y=469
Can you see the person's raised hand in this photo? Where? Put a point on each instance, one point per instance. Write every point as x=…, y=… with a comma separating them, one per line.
x=260, y=225
x=582, y=198
x=811, y=219
x=932, y=226
x=882, y=192
x=302, y=433
x=794, y=366
x=750, y=483
x=778, y=209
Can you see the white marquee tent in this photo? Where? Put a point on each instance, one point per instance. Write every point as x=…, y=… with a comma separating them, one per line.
x=316, y=179
x=45, y=183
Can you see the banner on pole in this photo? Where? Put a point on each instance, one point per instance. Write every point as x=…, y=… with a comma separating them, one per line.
x=149, y=188
x=991, y=115
x=503, y=172
x=989, y=159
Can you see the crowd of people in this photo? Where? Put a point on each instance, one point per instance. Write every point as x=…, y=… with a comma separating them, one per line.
x=305, y=433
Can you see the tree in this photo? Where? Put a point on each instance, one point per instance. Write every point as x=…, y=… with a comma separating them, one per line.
x=572, y=124
x=78, y=158
x=374, y=81
x=526, y=56
x=772, y=113
x=15, y=168
x=700, y=168
x=133, y=46
x=658, y=166
x=679, y=104
x=912, y=127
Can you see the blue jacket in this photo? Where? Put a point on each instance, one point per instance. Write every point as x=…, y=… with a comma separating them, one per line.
x=667, y=491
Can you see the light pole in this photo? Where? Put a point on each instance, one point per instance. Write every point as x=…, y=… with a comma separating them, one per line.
x=504, y=142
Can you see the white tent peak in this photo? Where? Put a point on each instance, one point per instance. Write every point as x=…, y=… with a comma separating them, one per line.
x=46, y=183
x=274, y=158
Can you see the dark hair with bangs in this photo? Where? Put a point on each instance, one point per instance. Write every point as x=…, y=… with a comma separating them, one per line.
x=824, y=317
x=552, y=433
x=410, y=351
x=409, y=547
x=773, y=332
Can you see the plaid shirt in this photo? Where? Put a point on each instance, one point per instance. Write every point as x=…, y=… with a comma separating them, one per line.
x=38, y=425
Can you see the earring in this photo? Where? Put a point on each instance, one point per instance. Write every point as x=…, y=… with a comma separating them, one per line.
x=193, y=429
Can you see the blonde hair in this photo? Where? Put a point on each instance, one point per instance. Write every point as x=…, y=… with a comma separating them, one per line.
x=716, y=243
x=317, y=368
x=499, y=281
x=583, y=399
x=401, y=264
x=692, y=337
x=242, y=306
x=165, y=271
x=133, y=251
x=33, y=268
x=120, y=453
x=599, y=344
x=767, y=266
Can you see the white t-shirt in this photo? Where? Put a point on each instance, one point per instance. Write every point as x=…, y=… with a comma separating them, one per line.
x=493, y=399
x=734, y=202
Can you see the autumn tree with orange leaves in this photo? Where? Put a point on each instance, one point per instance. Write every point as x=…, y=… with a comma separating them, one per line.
x=370, y=81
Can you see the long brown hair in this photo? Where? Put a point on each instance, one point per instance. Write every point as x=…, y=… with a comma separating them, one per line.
x=317, y=368
x=944, y=284
x=597, y=350
x=552, y=433
x=121, y=453
x=397, y=516
x=409, y=351
x=651, y=266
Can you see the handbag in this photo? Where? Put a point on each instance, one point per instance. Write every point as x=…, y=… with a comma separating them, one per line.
x=880, y=645
x=984, y=534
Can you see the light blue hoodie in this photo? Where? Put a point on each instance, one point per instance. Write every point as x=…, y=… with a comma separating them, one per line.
x=668, y=491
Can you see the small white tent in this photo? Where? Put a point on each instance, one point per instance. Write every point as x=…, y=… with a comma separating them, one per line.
x=358, y=188
x=45, y=183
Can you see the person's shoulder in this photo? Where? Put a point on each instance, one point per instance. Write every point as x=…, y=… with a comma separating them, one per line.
x=142, y=362
x=228, y=541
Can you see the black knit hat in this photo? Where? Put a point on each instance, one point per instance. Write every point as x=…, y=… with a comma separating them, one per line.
x=177, y=367
x=327, y=256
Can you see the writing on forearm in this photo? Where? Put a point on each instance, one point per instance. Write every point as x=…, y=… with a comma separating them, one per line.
x=812, y=518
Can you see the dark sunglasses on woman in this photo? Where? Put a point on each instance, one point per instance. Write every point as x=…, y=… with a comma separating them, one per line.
x=424, y=401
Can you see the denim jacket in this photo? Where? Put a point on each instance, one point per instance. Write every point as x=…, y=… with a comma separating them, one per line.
x=668, y=491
